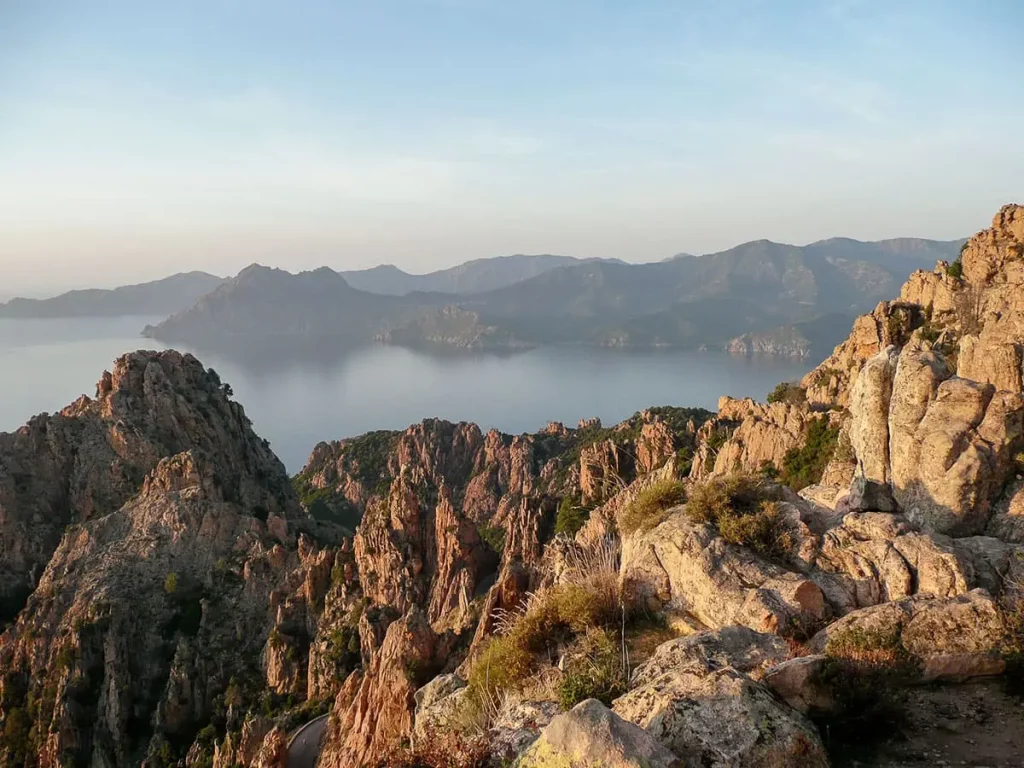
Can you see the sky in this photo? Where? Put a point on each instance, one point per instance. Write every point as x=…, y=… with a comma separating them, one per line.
x=139, y=139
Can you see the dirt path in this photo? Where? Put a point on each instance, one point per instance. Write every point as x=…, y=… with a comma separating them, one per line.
x=977, y=724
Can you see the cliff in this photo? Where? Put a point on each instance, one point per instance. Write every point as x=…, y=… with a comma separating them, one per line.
x=155, y=572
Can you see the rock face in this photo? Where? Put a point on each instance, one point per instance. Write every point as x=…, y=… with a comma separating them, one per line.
x=685, y=566
x=696, y=696
x=591, y=736
x=381, y=713
x=757, y=434
x=180, y=542
x=935, y=387
x=93, y=456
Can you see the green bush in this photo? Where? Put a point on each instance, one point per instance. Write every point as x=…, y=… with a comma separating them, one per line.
x=683, y=462
x=787, y=392
x=494, y=537
x=765, y=530
x=593, y=670
x=805, y=465
x=171, y=583
x=571, y=517
x=956, y=269
x=650, y=505
x=740, y=507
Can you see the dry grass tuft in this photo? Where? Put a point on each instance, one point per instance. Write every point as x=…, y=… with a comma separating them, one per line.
x=648, y=510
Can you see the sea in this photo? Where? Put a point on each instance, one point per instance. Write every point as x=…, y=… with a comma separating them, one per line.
x=298, y=400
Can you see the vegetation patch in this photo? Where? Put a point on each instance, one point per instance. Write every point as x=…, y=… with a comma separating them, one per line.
x=805, y=465
x=594, y=669
x=552, y=620
x=865, y=674
x=326, y=505
x=649, y=508
x=787, y=392
x=1012, y=647
x=571, y=517
x=741, y=508
x=956, y=268
x=494, y=537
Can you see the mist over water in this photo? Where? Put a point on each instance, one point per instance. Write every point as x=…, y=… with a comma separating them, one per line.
x=301, y=397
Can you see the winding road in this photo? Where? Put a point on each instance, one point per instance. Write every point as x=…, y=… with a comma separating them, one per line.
x=304, y=747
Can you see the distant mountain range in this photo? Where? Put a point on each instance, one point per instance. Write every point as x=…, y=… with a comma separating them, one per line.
x=474, y=276
x=759, y=297
x=160, y=297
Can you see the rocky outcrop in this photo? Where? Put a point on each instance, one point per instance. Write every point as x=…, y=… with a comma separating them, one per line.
x=758, y=434
x=935, y=388
x=696, y=696
x=738, y=647
x=379, y=715
x=591, y=736
x=93, y=456
x=181, y=588
x=684, y=566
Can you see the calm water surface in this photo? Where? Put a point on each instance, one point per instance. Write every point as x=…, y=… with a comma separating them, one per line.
x=297, y=401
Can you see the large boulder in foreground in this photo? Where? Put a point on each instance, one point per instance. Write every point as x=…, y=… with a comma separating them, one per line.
x=686, y=566
x=696, y=696
x=953, y=638
x=592, y=736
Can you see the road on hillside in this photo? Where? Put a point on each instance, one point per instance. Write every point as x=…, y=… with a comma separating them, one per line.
x=304, y=748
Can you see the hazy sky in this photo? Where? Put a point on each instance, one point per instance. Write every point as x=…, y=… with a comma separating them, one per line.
x=141, y=137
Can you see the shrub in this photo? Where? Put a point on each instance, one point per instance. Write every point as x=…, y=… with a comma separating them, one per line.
x=737, y=493
x=740, y=507
x=494, y=537
x=571, y=517
x=683, y=462
x=805, y=465
x=787, y=392
x=593, y=670
x=765, y=530
x=588, y=598
x=171, y=583
x=956, y=269
x=864, y=674
x=1012, y=647
x=648, y=509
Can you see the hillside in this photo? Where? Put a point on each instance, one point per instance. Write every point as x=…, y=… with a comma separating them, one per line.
x=160, y=297
x=271, y=308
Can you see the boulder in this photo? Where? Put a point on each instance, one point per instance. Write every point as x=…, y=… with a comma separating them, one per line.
x=437, y=705
x=722, y=717
x=741, y=648
x=869, y=408
x=517, y=725
x=953, y=638
x=796, y=682
x=874, y=557
x=592, y=736
x=685, y=566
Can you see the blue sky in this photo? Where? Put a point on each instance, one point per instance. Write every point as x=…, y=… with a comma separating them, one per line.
x=140, y=138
